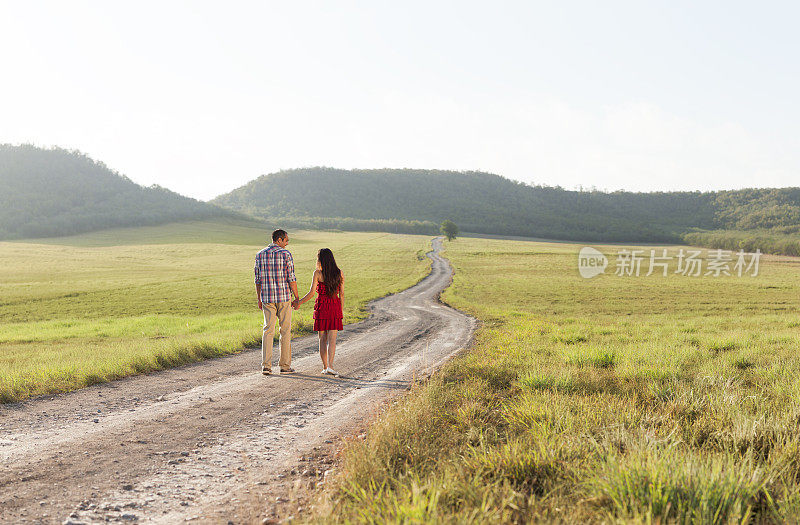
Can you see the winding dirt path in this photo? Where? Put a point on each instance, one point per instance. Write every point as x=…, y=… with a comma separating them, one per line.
x=217, y=442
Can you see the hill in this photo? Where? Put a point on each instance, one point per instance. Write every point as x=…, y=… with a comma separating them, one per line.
x=53, y=192
x=486, y=203
x=477, y=202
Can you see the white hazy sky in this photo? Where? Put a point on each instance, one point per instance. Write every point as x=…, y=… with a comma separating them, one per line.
x=202, y=97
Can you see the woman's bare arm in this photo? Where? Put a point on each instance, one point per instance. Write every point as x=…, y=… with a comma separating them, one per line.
x=313, y=289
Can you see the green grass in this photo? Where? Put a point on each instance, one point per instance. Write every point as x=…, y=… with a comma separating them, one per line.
x=79, y=310
x=221, y=230
x=613, y=399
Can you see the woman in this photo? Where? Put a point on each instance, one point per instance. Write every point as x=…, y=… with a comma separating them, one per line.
x=328, y=283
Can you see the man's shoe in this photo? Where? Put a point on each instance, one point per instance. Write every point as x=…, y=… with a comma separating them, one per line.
x=266, y=371
x=287, y=370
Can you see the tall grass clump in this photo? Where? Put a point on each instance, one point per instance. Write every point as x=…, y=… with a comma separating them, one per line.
x=682, y=487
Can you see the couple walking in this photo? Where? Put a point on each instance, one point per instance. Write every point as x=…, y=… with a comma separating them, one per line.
x=275, y=281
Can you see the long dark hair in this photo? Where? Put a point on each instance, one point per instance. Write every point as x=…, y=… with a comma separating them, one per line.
x=331, y=274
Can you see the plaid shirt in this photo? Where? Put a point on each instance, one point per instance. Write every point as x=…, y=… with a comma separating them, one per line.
x=274, y=271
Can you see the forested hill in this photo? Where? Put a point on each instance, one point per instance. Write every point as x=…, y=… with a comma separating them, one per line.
x=53, y=192
x=485, y=203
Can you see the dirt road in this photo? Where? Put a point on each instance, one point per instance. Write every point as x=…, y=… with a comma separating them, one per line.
x=217, y=442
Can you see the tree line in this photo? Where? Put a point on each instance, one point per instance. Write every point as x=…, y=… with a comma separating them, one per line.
x=485, y=203
x=52, y=192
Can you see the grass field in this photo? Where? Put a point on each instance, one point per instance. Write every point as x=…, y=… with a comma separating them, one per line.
x=84, y=309
x=615, y=399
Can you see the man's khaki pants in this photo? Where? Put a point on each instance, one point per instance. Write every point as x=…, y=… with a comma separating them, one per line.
x=283, y=313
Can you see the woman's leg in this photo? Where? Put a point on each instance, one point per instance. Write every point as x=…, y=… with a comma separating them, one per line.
x=331, y=346
x=323, y=348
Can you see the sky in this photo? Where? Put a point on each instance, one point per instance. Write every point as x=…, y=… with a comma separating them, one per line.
x=202, y=97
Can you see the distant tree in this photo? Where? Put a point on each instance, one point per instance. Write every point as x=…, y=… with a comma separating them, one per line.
x=449, y=230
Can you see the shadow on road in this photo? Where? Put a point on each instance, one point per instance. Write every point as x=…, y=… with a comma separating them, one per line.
x=392, y=384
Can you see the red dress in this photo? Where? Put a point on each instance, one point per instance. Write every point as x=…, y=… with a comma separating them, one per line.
x=327, y=310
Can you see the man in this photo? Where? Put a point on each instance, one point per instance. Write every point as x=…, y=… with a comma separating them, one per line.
x=274, y=280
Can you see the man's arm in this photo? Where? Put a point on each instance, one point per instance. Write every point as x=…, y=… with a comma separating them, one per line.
x=258, y=283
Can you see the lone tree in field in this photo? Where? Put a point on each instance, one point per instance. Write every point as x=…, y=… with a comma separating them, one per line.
x=449, y=230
